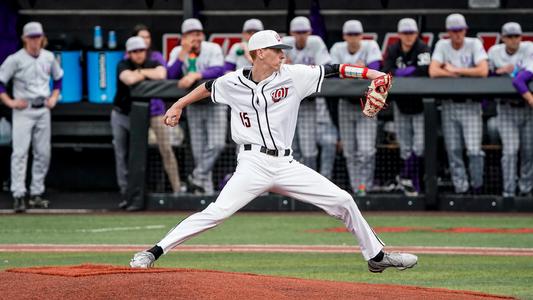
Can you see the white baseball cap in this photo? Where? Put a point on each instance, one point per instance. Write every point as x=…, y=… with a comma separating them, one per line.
x=191, y=24
x=32, y=29
x=407, y=25
x=266, y=39
x=252, y=25
x=456, y=22
x=511, y=28
x=300, y=24
x=352, y=26
x=135, y=43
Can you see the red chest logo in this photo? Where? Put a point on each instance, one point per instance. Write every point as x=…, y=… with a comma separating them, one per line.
x=279, y=94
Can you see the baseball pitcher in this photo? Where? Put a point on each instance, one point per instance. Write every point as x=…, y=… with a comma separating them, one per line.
x=264, y=101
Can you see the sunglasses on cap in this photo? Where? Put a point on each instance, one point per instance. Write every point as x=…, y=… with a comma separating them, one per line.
x=300, y=32
x=137, y=50
x=353, y=34
x=457, y=30
x=512, y=36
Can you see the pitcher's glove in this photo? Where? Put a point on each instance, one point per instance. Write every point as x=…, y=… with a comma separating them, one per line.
x=376, y=95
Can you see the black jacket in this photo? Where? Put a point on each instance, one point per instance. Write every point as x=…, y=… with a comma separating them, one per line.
x=419, y=57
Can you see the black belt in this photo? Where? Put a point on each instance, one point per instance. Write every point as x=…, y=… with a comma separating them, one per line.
x=37, y=105
x=272, y=152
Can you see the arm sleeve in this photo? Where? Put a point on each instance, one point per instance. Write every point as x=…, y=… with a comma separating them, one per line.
x=375, y=65
x=57, y=72
x=213, y=72
x=2, y=88
x=331, y=70
x=174, y=71
x=228, y=66
x=520, y=82
x=438, y=53
x=479, y=52
x=57, y=84
x=174, y=65
x=7, y=69
x=219, y=89
x=158, y=57
x=307, y=79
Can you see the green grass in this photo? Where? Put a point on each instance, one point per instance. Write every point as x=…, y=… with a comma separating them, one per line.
x=496, y=275
x=260, y=229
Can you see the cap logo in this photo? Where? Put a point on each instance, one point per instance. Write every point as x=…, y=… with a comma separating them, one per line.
x=278, y=37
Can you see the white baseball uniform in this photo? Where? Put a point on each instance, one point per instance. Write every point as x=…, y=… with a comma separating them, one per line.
x=462, y=118
x=358, y=133
x=305, y=147
x=515, y=124
x=263, y=119
x=31, y=82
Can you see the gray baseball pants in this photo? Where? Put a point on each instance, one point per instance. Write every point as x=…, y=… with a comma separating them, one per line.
x=30, y=126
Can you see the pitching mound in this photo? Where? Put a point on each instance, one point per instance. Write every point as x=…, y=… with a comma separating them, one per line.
x=112, y=282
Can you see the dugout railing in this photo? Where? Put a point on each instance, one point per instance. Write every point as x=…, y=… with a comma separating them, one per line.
x=431, y=90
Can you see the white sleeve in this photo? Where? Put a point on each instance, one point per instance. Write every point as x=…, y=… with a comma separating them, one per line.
x=322, y=56
x=307, y=79
x=232, y=54
x=57, y=72
x=438, y=53
x=219, y=90
x=216, y=57
x=7, y=69
x=479, y=52
x=374, y=54
x=173, y=56
x=335, y=56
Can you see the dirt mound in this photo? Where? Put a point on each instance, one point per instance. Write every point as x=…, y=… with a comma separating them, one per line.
x=112, y=282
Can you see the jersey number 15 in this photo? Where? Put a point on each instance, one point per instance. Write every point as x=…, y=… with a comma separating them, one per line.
x=245, y=120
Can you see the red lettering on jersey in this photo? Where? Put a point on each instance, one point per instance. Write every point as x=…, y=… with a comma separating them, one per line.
x=279, y=94
x=393, y=37
x=170, y=40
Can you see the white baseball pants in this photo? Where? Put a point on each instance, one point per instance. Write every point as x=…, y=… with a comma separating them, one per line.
x=257, y=173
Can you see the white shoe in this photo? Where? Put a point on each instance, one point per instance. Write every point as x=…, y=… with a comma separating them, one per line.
x=400, y=261
x=143, y=260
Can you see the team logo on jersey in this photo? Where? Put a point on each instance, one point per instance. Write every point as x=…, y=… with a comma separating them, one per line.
x=279, y=94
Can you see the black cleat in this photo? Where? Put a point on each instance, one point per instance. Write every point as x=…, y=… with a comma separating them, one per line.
x=37, y=201
x=19, y=205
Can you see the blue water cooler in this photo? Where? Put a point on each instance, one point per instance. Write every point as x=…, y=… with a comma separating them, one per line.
x=102, y=75
x=70, y=62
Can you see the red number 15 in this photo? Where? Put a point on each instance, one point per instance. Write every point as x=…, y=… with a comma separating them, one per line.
x=245, y=120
